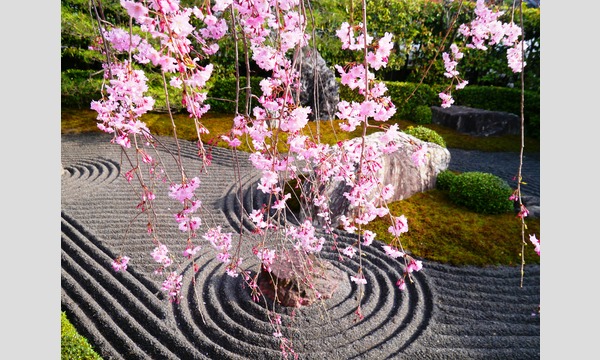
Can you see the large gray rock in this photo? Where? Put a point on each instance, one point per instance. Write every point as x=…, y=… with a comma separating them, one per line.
x=476, y=122
x=399, y=170
x=319, y=88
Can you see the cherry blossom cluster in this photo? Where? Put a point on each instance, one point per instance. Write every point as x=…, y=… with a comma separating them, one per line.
x=178, y=39
x=119, y=114
x=274, y=28
x=484, y=31
x=450, y=62
x=120, y=263
x=357, y=164
x=172, y=286
x=160, y=254
x=221, y=242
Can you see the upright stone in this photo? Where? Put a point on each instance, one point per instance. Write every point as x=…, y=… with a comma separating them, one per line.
x=398, y=170
x=319, y=89
x=476, y=122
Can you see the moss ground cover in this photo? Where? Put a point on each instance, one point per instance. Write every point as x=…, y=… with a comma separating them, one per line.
x=84, y=120
x=439, y=230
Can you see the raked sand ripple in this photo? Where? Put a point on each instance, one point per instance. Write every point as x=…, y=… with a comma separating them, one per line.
x=447, y=313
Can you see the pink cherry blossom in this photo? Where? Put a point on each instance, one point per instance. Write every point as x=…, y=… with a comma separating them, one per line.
x=523, y=212
x=401, y=284
x=266, y=257
x=221, y=242
x=461, y=84
x=349, y=251
x=135, y=9
x=368, y=237
x=184, y=191
x=172, y=286
x=515, y=58
x=447, y=99
x=220, y=5
x=160, y=254
x=536, y=242
x=414, y=265
x=419, y=156
x=359, y=279
x=399, y=225
x=392, y=251
x=191, y=251
x=120, y=263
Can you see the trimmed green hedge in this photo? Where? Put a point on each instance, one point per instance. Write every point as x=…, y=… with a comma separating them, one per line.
x=400, y=93
x=445, y=179
x=422, y=114
x=80, y=87
x=482, y=97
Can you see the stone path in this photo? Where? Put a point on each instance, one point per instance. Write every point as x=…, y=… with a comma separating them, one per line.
x=448, y=313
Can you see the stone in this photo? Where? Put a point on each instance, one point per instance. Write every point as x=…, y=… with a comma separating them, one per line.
x=316, y=74
x=398, y=169
x=291, y=274
x=476, y=122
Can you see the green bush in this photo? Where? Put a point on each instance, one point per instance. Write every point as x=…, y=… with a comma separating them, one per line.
x=422, y=114
x=73, y=345
x=221, y=96
x=445, y=179
x=79, y=87
x=426, y=134
x=483, y=193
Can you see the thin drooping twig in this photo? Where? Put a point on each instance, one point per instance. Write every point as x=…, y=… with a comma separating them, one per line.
x=519, y=176
x=437, y=52
x=100, y=19
x=237, y=65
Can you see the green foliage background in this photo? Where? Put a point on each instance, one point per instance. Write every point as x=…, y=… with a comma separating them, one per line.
x=419, y=28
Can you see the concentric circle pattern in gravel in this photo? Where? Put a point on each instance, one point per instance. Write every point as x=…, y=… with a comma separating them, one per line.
x=447, y=313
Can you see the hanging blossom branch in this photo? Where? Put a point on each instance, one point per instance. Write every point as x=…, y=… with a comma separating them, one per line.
x=484, y=31
x=123, y=103
x=516, y=196
x=278, y=115
x=367, y=190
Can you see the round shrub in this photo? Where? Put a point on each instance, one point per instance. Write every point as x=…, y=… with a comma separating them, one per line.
x=483, y=193
x=444, y=180
x=426, y=134
x=422, y=114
